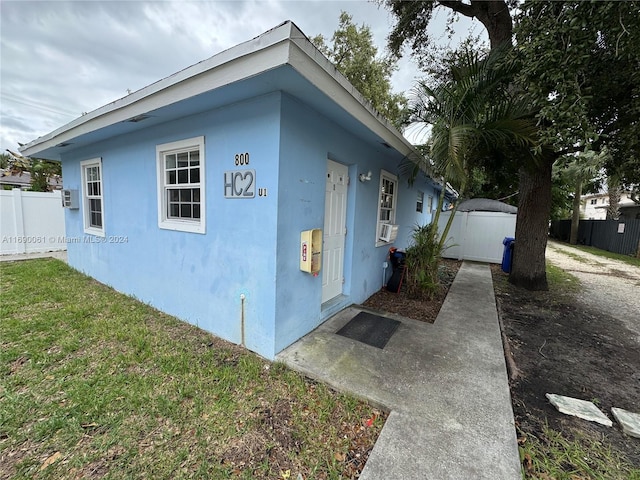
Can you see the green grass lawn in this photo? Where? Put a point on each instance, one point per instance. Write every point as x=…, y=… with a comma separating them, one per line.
x=554, y=456
x=603, y=253
x=561, y=282
x=96, y=384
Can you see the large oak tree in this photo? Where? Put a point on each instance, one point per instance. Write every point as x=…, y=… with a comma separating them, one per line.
x=534, y=202
x=414, y=17
x=566, y=50
x=581, y=70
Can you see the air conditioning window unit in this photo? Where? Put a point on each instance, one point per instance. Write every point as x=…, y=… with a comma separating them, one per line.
x=388, y=232
x=70, y=199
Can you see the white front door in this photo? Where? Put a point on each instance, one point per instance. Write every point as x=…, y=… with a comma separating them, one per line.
x=335, y=230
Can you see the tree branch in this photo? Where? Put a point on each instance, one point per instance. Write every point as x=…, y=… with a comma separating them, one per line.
x=463, y=8
x=493, y=14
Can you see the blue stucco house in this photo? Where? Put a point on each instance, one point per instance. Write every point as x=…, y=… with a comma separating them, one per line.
x=192, y=193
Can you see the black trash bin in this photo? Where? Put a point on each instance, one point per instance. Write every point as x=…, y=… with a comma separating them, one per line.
x=397, y=259
x=507, y=254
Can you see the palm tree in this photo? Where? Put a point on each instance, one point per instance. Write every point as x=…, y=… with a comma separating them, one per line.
x=41, y=170
x=471, y=115
x=577, y=170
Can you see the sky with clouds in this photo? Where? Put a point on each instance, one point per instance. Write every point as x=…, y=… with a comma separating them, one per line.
x=59, y=59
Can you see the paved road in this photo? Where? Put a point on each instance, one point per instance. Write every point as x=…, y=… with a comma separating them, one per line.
x=610, y=286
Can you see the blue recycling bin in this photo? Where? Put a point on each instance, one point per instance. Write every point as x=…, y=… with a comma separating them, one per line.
x=507, y=254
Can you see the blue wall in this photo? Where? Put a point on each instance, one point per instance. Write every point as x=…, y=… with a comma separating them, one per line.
x=251, y=246
x=199, y=278
x=307, y=140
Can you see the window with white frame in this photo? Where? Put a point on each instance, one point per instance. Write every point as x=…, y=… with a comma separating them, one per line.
x=92, y=203
x=387, y=201
x=420, y=202
x=181, y=193
x=429, y=204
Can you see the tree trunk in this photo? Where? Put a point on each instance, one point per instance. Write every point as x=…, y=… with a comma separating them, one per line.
x=445, y=232
x=534, y=205
x=495, y=16
x=615, y=193
x=575, y=217
x=532, y=225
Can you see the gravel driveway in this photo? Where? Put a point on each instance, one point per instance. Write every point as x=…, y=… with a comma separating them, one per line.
x=611, y=286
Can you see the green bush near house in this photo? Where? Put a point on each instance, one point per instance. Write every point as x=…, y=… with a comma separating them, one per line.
x=422, y=261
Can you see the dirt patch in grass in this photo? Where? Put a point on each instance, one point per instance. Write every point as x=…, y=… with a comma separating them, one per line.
x=401, y=304
x=559, y=345
x=272, y=440
x=17, y=364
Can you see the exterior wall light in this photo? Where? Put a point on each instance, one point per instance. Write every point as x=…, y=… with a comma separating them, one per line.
x=365, y=178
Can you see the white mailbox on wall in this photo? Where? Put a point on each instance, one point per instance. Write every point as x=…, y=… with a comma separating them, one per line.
x=311, y=250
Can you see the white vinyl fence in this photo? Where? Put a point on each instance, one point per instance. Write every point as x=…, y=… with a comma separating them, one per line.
x=477, y=236
x=31, y=222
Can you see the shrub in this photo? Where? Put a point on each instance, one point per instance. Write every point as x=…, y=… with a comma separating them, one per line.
x=423, y=257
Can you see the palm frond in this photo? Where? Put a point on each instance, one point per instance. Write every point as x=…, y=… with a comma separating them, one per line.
x=473, y=114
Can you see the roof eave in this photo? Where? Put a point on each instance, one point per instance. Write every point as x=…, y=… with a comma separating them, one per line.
x=184, y=84
x=320, y=71
x=285, y=44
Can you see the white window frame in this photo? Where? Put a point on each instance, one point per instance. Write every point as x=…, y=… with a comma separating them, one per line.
x=180, y=224
x=390, y=177
x=430, y=204
x=87, y=196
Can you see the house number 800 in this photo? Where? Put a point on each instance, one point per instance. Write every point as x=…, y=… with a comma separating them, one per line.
x=242, y=159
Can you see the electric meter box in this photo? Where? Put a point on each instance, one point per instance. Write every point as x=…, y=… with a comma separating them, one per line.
x=70, y=199
x=311, y=250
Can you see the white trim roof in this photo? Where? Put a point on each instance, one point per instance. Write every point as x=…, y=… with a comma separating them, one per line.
x=283, y=45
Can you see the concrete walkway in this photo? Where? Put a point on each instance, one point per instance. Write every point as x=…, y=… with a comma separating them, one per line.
x=445, y=384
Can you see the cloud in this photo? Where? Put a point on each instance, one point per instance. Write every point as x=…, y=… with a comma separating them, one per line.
x=60, y=59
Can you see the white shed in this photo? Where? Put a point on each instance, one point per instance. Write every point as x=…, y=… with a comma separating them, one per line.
x=478, y=229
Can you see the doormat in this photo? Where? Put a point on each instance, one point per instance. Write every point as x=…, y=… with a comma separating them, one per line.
x=370, y=329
